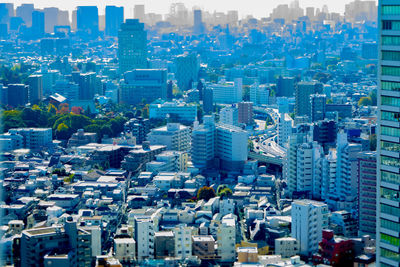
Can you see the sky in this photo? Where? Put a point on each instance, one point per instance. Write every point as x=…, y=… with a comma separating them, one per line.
x=257, y=8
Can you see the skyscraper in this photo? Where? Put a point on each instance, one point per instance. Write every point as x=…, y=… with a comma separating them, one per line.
x=132, y=46
x=187, y=70
x=35, y=93
x=303, y=92
x=114, y=19
x=198, y=22
x=24, y=11
x=51, y=18
x=87, y=19
x=388, y=150
x=38, y=24
x=139, y=13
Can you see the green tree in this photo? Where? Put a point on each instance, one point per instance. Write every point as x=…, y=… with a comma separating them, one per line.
x=205, y=193
x=364, y=101
x=63, y=132
x=372, y=95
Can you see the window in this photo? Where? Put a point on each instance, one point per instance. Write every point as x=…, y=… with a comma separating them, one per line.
x=390, y=210
x=394, y=226
x=390, y=194
x=389, y=177
x=390, y=255
x=390, y=86
x=390, y=10
x=391, y=25
x=390, y=101
x=390, y=40
x=390, y=70
x=390, y=161
x=390, y=116
x=390, y=131
x=389, y=146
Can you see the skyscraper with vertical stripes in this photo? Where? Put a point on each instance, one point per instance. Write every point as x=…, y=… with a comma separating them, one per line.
x=388, y=149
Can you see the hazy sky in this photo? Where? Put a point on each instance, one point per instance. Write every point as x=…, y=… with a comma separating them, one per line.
x=257, y=8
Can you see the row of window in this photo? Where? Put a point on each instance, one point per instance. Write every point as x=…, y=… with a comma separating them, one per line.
x=389, y=146
x=390, y=194
x=390, y=210
x=390, y=10
x=390, y=86
x=390, y=116
x=391, y=55
x=389, y=161
x=390, y=40
x=395, y=132
x=395, y=241
x=394, y=226
x=390, y=70
x=391, y=25
x=390, y=254
x=390, y=177
x=390, y=101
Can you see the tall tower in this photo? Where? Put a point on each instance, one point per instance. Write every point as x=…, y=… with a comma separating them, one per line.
x=132, y=46
x=388, y=150
x=114, y=19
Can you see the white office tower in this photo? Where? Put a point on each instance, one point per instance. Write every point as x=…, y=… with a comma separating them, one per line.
x=285, y=127
x=203, y=143
x=388, y=150
x=308, y=219
x=231, y=147
x=344, y=195
x=290, y=162
x=308, y=154
x=229, y=115
x=226, y=238
x=325, y=167
x=228, y=92
x=144, y=236
x=183, y=241
x=174, y=135
x=259, y=94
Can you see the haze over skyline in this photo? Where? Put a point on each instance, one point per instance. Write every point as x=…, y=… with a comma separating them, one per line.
x=256, y=8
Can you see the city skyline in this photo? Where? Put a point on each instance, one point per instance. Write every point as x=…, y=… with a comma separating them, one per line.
x=162, y=7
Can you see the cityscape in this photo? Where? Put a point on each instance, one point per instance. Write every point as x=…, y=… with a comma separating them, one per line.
x=197, y=137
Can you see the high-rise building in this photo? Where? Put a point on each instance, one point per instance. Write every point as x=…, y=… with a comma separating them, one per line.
x=231, y=146
x=285, y=86
x=40, y=245
x=51, y=18
x=388, y=191
x=203, y=143
x=114, y=19
x=139, y=13
x=38, y=24
x=228, y=92
x=285, y=128
x=187, y=70
x=174, y=136
x=24, y=11
x=35, y=88
x=367, y=193
x=318, y=104
x=87, y=85
x=208, y=100
x=245, y=110
x=18, y=95
x=303, y=92
x=87, y=20
x=132, y=46
x=6, y=12
x=144, y=236
x=229, y=115
x=183, y=241
x=198, y=26
x=143, y=84
x=309, y=218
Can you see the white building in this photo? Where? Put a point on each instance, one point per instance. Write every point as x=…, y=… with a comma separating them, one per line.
x=287, y=247
x=285, y=126
x=229, y=115
x=175, y=110
x=228, y=92
x=183, y=241
x=174, y=136
x=124, y=249
x=144, y=236
x=34, y=138
x=308, y=219
x=169, y=161
x=203, y=143
x=231, y=146
x=226, y=238
x=260, y=94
